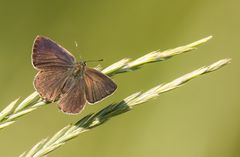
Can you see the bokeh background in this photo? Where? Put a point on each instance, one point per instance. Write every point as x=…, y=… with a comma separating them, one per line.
x=201, y=119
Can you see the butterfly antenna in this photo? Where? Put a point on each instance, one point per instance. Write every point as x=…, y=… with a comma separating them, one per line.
x=76, y=46
x=99, y=60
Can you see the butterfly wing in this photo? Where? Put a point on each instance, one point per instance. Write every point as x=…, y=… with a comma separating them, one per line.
x=47, y=54
x=74, y=100
x=97, y=85
x=49, y=83
x=54, y=64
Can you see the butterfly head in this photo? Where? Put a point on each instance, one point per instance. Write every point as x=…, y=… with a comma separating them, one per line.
x=82, y=63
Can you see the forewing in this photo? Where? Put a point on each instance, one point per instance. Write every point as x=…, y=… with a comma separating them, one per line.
x=74, y=100
x=49, y=83
x=97, y=85
x=47, y=54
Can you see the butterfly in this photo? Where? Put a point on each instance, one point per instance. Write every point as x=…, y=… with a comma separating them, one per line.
x=61, y=78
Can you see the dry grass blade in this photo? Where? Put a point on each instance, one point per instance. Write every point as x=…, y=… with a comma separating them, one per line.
x=93, y=120
x=13, y=111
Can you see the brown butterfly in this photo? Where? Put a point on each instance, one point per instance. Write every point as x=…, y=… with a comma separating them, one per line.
x=61, y=78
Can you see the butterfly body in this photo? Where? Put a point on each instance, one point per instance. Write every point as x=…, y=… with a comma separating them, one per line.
x=79, y=69
x=61, y=78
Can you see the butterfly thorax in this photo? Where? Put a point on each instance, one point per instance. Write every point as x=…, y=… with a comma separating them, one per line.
x=79, y=69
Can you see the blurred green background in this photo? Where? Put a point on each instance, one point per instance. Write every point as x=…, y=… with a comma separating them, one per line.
x=201, y=119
